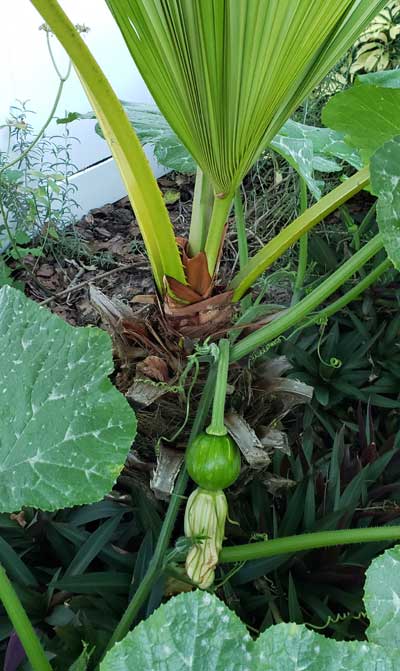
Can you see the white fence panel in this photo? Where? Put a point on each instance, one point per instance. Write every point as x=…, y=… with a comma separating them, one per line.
x=27, y=74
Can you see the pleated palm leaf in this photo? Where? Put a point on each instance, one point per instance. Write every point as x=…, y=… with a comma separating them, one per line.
x=226, y=74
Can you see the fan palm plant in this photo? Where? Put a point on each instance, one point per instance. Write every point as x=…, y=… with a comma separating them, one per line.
x=226, y=74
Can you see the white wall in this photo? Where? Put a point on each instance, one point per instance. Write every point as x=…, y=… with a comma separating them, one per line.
x=27, y=74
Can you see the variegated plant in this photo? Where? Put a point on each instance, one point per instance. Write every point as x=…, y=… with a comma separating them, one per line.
x=378, y=48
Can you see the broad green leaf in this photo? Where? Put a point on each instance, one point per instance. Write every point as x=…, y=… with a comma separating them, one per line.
x=309, y=148
x=65, y=430
x=306, y=148
x=382, y=599
x=299, y=154
x=192, y=632
x=292, y=647
x=386, y=78
x=5, y=274
x=323, y=164
x=196, y=632
x=385, y=182
x=368, y=113
x=326, y=143
x=151, y=127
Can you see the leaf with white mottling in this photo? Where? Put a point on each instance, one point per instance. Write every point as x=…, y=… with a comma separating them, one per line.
x=387, y=78
x=385, y=182
x=152, y=128
x=323, y=164
x=65, y=430
x=292, y=647
x=306, y=148
x=309, y=148
x=382, y=599
x=197, y=632
x=299, y=154
x=325, y=141
x=192, y=632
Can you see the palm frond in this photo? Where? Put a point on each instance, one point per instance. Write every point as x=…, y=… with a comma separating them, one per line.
x=226, y=74
x=145, y=196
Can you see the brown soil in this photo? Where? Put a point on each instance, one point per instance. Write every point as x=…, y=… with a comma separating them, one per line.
x=103, y=248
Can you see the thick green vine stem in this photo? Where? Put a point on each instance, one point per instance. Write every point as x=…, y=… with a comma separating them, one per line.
x=243, y=249
x=274, y=249
x=297, y=313
x=303, y=248
x=217, y=426
x=304, y=542
x=22, y=625
x=213, y=458
x=219, y=216
x=349, y=296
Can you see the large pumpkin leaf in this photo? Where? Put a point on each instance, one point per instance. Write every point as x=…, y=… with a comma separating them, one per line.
x=196, y=632
x=327, y=145
x=385, y=78
x=151, y=127
x=299, y=154
x=65, y=430
x=306, y=148
x=309, y=149
x=192, y=632
x=385, y=182
x=382, y=599
x=291, y=647
x=368, y=113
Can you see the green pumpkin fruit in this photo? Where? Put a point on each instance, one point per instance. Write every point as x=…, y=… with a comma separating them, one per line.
x=213, y=462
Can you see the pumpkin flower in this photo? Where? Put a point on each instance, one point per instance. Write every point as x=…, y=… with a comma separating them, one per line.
x=205, y=517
